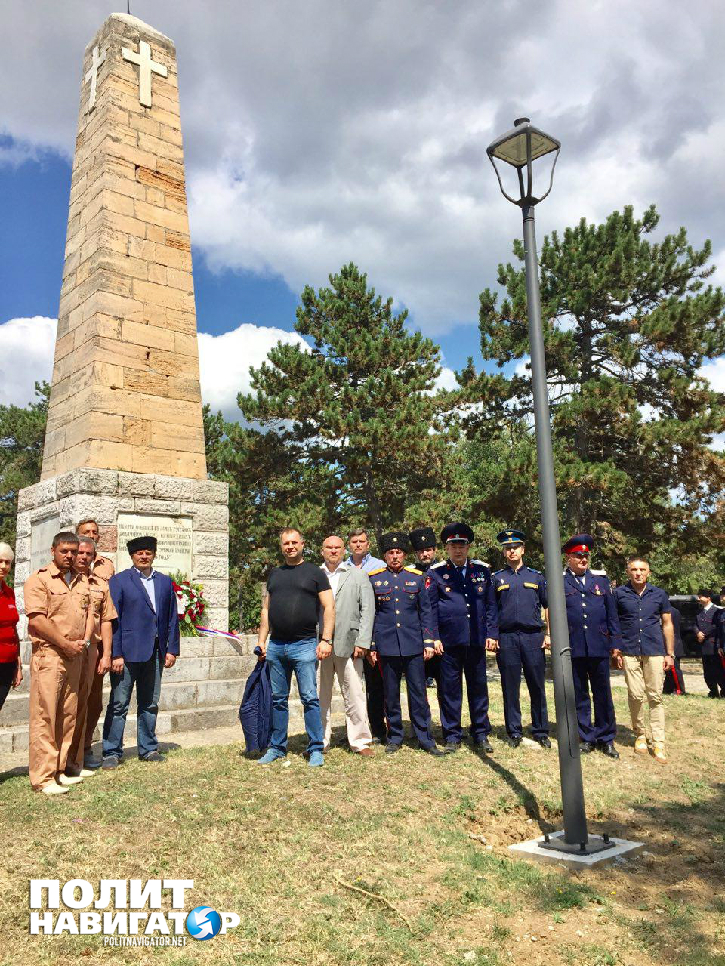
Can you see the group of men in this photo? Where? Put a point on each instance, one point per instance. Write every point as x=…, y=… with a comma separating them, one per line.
x=85, y=620
x=374, y=621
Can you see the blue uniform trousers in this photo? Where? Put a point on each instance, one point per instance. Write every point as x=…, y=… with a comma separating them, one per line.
x=522, y=650
x=455, y=662
x=414, y=670
x=594, y=670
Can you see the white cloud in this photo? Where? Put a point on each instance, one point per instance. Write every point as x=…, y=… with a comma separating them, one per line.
x=318, y=133
x=714, y=372
x=26, y=357
x=447, y=379
x=225, y=360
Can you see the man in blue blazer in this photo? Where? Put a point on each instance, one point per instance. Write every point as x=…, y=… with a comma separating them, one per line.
x=145, y=641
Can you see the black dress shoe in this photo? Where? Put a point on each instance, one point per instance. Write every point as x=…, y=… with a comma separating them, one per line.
x=430, y=682
x=713, y=694
x=391, y=748
x=513, y=741
x=585, y=747
x=452, y=746
x=607, y=748
x=484, y=745
x=544, y=742
x=433, y=750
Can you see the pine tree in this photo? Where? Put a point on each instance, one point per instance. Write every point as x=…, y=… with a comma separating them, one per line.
x=22, y=435
x=628, y=321
x=358, y=414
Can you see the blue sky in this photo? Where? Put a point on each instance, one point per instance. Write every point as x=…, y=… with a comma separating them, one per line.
x=326, y=132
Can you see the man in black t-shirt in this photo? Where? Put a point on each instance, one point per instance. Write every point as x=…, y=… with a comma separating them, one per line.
x=295, y=593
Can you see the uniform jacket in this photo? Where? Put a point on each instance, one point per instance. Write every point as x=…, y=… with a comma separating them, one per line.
x=592, y=615
x=464, y=609
x=404, y=622
x=354, y=612
x=255, y=711
x=520, y=595
x=707, y=622
x=137, y=626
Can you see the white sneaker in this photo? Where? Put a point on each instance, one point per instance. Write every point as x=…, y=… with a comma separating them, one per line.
x=53, y=788
x=69, y=779
x=86, y=773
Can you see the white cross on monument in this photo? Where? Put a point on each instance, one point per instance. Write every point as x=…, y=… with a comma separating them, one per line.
x=145, y=67
x=99, y=58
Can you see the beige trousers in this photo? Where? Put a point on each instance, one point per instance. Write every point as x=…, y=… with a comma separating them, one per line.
x=645, y=676
x=87, y=673
x=53, y=703
x=350, y=676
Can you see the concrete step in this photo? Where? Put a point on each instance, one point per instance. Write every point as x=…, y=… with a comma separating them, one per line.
x=14, y=738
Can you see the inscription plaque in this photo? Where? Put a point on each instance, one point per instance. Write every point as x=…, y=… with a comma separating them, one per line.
x=174, y=536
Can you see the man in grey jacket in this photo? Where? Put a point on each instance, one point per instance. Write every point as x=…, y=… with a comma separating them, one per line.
x=354, y=613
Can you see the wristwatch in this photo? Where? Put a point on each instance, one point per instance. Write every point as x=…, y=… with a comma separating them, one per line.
x=87, y=644
x=323, y=640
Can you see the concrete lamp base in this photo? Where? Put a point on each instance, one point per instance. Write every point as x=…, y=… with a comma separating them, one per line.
x=552, y=848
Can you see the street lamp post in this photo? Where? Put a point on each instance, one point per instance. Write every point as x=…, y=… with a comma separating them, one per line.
x=519, y=148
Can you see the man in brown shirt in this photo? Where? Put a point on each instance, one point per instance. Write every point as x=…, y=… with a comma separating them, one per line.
x=57, y=602
x=96, y=659
x=101, y=568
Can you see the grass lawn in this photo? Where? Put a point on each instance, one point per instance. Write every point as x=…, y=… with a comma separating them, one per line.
x=283, y=845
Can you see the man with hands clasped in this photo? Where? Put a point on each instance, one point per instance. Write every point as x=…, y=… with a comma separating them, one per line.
x=404, y=637
x=464, y=610
x=523, y=636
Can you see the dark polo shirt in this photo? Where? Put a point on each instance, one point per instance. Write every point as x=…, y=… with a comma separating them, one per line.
x=640, y=619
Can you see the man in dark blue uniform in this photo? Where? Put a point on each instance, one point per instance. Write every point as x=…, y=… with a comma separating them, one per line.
x=404, y=635
x=523, y=635
x=708, y=621
x=464, y=610
x=423, y=542
x=594, y=638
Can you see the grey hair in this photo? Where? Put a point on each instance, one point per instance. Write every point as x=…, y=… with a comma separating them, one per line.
x=6, y=551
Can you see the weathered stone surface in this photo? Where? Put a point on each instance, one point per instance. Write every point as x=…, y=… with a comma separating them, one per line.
x=206, y=567
x=211, y=543
x=206, y=517
x=210, y=491
x=173, y=488
x=136, y=484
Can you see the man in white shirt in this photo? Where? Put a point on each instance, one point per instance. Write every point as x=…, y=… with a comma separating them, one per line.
x=354, y=613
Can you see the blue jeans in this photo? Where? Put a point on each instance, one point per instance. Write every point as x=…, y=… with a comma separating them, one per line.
x=284, y=658
x=146, y=675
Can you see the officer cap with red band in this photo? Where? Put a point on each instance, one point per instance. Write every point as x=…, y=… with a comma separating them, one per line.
x=457, y=531
x=579, y=543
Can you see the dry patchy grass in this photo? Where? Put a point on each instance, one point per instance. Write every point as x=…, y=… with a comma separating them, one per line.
x=279, y=844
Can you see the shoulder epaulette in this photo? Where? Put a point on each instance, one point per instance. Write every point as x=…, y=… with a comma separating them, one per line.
x=481, y=563
x=441, y=563
x=378, y=571
x=534, y=570
x=496, y=572
x=413, y=570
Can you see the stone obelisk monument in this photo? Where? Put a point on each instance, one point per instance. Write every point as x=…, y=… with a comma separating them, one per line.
x=125, y=440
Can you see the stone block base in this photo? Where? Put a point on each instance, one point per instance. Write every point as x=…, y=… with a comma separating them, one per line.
x=189, y=517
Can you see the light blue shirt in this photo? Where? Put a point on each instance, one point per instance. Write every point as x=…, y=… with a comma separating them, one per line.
x=369, y=563
x=148, y=586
